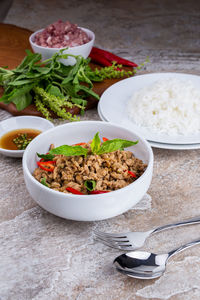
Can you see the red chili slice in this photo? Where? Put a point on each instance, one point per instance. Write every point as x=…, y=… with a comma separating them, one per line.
x=47, y=165
x=98, y=192
x=79, y=144
x=105, y=139
x=132, y=174
x=74, y=191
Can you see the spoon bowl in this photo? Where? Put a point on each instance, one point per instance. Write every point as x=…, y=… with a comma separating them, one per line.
x=139, y=276
x=141, y=264
x=146, y=265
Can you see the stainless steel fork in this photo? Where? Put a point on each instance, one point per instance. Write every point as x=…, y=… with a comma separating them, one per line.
x=129, y=241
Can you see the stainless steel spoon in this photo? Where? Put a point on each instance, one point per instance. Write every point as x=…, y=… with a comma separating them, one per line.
x=146, y=265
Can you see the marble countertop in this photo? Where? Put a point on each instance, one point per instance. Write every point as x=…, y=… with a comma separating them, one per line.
x=46, y=257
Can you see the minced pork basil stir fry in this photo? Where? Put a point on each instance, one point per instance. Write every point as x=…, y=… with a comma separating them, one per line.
x=89, y=168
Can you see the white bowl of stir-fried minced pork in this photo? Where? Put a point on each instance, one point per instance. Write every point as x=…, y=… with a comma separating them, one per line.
x=88, y=170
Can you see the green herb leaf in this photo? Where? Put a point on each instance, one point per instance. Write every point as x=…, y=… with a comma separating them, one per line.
x=54, y=90
x=20, y=82
x=69, y=150
x=96, y=143
x=79, y=101
x=90, y=185
x=46, y=156
x=15, y=95
x=22, y=101
x=43, y=181
x=29, y=60
x=89, y=91
x=114, y=145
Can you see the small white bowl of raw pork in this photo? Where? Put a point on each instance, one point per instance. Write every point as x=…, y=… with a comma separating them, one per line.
x=90, y=207
x=55, y=37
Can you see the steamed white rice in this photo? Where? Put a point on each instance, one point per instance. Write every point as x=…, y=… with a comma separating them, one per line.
x=168, y=106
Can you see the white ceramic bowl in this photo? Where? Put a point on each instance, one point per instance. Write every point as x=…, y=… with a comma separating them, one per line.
x=86, y=207
x=47, y=53
x=22, y=122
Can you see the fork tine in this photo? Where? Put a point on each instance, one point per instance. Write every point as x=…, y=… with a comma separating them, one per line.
x=111, y=245
x=123, y=243
x=115, y=243
x=117, y=235
x=106, y=240
x=115, y=246
x=110, y=238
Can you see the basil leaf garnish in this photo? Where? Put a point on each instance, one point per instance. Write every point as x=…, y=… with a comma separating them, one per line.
x=114, y=145
x=96, y=146
x=69, y=150
x=90, y=185
x=46, y=156
x=96, y=143
x=43, y=181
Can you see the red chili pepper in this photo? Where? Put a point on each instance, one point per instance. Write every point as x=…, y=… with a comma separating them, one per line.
x=110, y=57
x=105, y=139
x=98, y=58
x=73, y=191
x=132, y=174
x=46, y=165
x=98, y=192
x=79, y=144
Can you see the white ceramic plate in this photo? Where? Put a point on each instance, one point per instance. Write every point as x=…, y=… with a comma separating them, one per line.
x=174, y=146
x=100, y=114
x=113, y=105
x=161, y=145
x=22, y=122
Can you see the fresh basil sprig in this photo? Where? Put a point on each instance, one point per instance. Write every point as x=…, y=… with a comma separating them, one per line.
x=96, y=143
x=96, y=147
x=64, y=150
x=114, y=145
x=50, y=85
x=110, y=145
x=69, y=150
x=90, y=185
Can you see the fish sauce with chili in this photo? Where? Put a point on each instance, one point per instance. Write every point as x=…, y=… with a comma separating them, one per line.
x=9, y=140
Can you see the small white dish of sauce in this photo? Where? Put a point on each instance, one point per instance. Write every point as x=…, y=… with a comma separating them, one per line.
x=17, y=132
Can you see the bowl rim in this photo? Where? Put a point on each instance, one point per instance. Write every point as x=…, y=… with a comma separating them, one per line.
x=85, y=197
x=21, y=117
x=86, y=30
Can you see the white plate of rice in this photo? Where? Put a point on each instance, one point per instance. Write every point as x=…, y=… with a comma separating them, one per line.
x=163, y=107
x=163, y=145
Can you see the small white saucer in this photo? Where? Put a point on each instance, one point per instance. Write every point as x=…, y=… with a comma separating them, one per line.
x=22, y=122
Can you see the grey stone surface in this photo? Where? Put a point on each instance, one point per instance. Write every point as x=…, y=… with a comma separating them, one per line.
x=45, y=257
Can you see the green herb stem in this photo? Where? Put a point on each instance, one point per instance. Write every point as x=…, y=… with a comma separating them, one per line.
x=54, y=103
